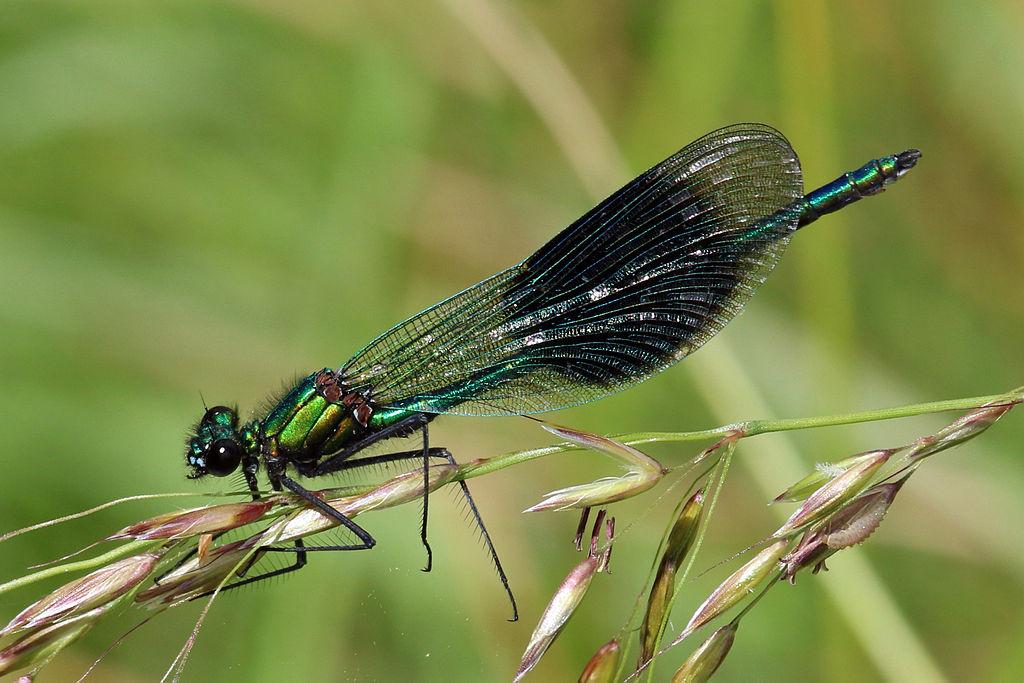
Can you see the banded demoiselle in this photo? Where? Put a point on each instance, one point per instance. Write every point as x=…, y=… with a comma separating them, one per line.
x=635, y=285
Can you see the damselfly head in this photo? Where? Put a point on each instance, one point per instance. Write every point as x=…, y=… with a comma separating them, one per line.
x=216, y=447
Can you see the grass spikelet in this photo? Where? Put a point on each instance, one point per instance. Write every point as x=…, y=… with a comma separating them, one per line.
x=603, y=664
x=705, y=660
x=659, y=602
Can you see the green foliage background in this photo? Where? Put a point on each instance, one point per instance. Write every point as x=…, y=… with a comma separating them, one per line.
x=213, y=197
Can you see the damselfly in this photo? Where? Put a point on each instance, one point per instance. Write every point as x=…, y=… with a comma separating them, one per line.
x=635, y=285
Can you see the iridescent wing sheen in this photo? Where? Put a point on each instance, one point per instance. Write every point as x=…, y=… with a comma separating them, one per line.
x=632, y=287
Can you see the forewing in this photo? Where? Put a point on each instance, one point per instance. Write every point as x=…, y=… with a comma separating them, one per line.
x=635, y=285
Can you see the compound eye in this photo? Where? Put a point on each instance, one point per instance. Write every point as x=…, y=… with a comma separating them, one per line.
x=218, y=415
x=223, y=457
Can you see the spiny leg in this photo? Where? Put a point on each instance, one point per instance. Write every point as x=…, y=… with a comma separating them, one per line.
x=385, y=458
x=487, y=540
x=445, y=454
x=299, y=548
x=413, y=422
x=426, y=453
x=300, y=561
x=340, y=465
x=426, y=497
x=402, y=427
x=368, y=541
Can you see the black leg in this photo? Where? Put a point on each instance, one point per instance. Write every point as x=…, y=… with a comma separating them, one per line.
x=367, y=540
x=300, y=562
x=411, y=423
x=403, y=427
x=426, y=497
x=487, y=540
x=355, y=463
x=444, y=453
x=299, y=548
x=410, y=455
x=340, y=463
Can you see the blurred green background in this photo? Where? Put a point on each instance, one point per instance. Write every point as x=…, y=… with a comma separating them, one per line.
x=216, y=196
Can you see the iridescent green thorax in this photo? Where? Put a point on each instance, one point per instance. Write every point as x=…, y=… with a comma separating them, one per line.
x=282, y=414
x=314, y=419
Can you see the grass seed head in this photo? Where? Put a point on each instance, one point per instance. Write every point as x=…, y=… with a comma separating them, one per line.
x=831, y=496
x=564, y=602
x=40, y=645
x=642, y=473
x=87, y=593
x=398, y=490
x=204, y=520
x=196, y=576
x=705, y=660
x=738, y=586
x=659, y=602
x=851, y=525
x=960, y=430
x=823, y=472
x=602, y=666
